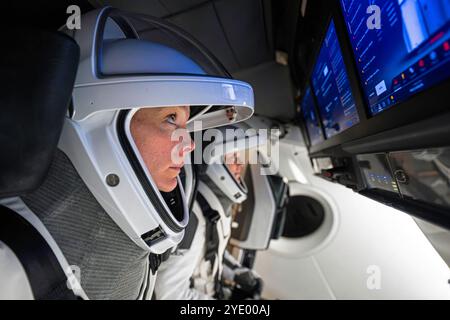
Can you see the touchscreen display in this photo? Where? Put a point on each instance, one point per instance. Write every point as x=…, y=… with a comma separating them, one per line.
x=404, y=53
x=331, y=86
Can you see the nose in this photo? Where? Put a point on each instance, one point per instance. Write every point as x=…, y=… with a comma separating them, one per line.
x=187, y=144
x=182, y=144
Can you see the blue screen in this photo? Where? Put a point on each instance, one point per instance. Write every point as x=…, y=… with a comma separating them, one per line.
x=332, y=87
x=409, y=53
x=311, y=121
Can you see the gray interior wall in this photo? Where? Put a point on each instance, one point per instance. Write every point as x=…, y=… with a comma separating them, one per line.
x=273, y=89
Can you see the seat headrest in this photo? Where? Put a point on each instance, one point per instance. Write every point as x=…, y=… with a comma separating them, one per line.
x=38, y=74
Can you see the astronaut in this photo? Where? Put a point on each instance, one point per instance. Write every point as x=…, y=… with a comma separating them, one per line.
x=112, y=200
x=200, y=266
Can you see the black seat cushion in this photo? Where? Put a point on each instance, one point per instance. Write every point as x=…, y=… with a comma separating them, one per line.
x=38, y=70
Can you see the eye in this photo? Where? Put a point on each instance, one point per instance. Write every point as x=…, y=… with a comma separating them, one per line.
x=171, y=118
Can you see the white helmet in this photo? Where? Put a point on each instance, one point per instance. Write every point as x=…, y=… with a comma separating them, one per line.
x=236, y=139
x=118, y=74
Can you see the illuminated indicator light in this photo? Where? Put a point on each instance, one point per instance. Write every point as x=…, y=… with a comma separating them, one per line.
x=446, y=46
x=392, y=97
x=421, y=63
x=437, y=37
x=395, y=81
x=433, y=55
x=403, y=76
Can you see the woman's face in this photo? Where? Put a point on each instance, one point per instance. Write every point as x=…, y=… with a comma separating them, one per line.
x=152, y=130
x=234, y=165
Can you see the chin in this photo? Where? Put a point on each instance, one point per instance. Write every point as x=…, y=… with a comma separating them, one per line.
x=168, y=186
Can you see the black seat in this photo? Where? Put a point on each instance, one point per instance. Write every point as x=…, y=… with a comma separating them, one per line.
x=38, y=71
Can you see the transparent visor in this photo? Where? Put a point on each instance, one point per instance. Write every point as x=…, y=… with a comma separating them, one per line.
x=121, y=24
x=175, y=53
x=131, y=60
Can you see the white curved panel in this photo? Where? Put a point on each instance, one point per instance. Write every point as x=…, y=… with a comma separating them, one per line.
x=377, y=252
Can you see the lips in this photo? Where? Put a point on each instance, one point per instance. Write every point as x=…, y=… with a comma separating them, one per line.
x=176, y=169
